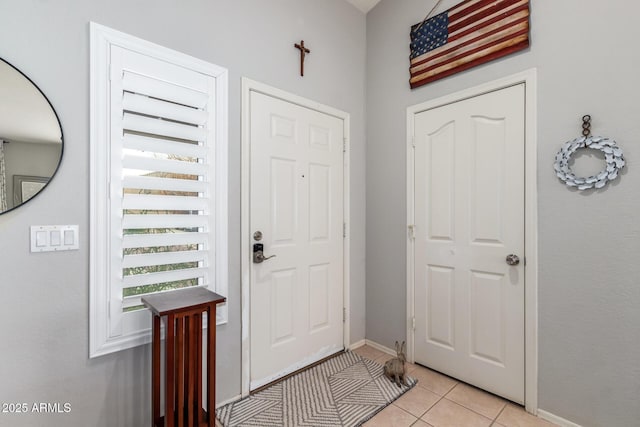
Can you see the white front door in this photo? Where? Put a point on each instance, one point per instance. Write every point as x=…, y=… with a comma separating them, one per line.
x=469, y=217
x=296, y=204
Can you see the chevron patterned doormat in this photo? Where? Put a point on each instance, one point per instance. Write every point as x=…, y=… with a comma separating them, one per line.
x=346, y=390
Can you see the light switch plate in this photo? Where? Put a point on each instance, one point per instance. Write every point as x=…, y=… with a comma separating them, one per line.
x=49, y=238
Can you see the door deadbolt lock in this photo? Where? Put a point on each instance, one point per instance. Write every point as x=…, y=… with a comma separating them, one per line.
x=258, y=254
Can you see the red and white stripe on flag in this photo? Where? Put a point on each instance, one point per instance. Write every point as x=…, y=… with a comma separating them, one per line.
x=469, y=34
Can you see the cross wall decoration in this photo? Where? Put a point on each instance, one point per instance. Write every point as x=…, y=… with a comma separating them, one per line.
x=303, y=52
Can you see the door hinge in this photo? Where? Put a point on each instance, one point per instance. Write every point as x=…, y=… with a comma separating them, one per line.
x=412, y=231
x=413, y=323
x=344, y=314
x=344, y=230
x=344, y=145
x=413, y=141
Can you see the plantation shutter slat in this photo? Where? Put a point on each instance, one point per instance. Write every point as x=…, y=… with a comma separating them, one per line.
x=163, y=203
x=130, y=302
x=168, y=184
x=168, y=110
x=155, y=126
x=162, y=165
x=164, y=277
x=164, y=239
x=163, y=258
x=159, y=145
x=163, y=221
x=137, y=83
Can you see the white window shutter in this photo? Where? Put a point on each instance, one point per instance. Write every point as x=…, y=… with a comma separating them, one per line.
x=163, y=131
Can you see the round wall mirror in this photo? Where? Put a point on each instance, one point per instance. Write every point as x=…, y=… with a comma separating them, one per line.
x=30, y=139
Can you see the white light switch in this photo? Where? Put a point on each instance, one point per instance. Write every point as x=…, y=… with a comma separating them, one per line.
x=69, y=237
x=41, y=239
x=55, y=238
x=46, y=238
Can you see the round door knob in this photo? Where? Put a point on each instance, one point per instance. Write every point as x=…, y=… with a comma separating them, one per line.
x=513, y=259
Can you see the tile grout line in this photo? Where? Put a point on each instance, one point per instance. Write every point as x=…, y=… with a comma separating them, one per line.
x=393, y=404
x=478, y=413
x=431, y=407
x=499, y=413
x=437, y=394
x=470, y=409
x=425, y=412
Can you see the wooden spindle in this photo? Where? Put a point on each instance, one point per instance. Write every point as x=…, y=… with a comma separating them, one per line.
x=170, y=368
x=155, y=381
x=180, y=370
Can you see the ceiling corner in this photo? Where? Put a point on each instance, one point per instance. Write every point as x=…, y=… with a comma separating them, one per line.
x=364, y=5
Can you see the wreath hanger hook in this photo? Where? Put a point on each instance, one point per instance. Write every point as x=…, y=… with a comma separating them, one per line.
x=586, y=125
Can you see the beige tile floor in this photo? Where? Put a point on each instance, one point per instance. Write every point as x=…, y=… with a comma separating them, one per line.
x=441, y=401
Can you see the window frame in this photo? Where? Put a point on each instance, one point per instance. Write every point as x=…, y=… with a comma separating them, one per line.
x=100, y=266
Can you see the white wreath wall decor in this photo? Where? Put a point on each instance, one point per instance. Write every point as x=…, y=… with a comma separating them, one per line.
x=612, y=154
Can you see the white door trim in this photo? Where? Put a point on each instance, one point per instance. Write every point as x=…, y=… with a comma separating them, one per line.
x=248, y=86
x=527, y=77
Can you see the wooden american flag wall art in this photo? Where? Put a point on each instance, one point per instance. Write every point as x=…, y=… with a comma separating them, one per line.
x=470, y=33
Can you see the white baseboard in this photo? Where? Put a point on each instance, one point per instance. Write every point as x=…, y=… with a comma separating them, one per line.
x=357, y=344
x=373, y=344
x=556, y=419
x=381, y=347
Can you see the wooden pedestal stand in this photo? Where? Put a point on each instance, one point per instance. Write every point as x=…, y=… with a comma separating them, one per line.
x=183, y=356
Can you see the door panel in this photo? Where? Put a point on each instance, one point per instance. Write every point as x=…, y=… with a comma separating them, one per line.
x=283, y=297
x=320, y=203
x=440, y=306
x=319, y=302
x=487, y=332
x=441, y=158
x=469, y=214
x=296, y=201
x=283, y=201
x=487, y=174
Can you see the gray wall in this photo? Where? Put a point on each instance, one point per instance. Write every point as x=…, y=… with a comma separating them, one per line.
x=44, y=306
x=589, y=243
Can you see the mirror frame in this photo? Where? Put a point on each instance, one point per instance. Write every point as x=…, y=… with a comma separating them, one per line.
x=55, y=113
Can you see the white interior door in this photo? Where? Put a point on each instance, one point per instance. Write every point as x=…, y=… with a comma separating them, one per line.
x=469, y=216
x=296, y=203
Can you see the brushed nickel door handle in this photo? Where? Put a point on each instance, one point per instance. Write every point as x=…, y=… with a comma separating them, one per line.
x=259, y=257
x=513, y=259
